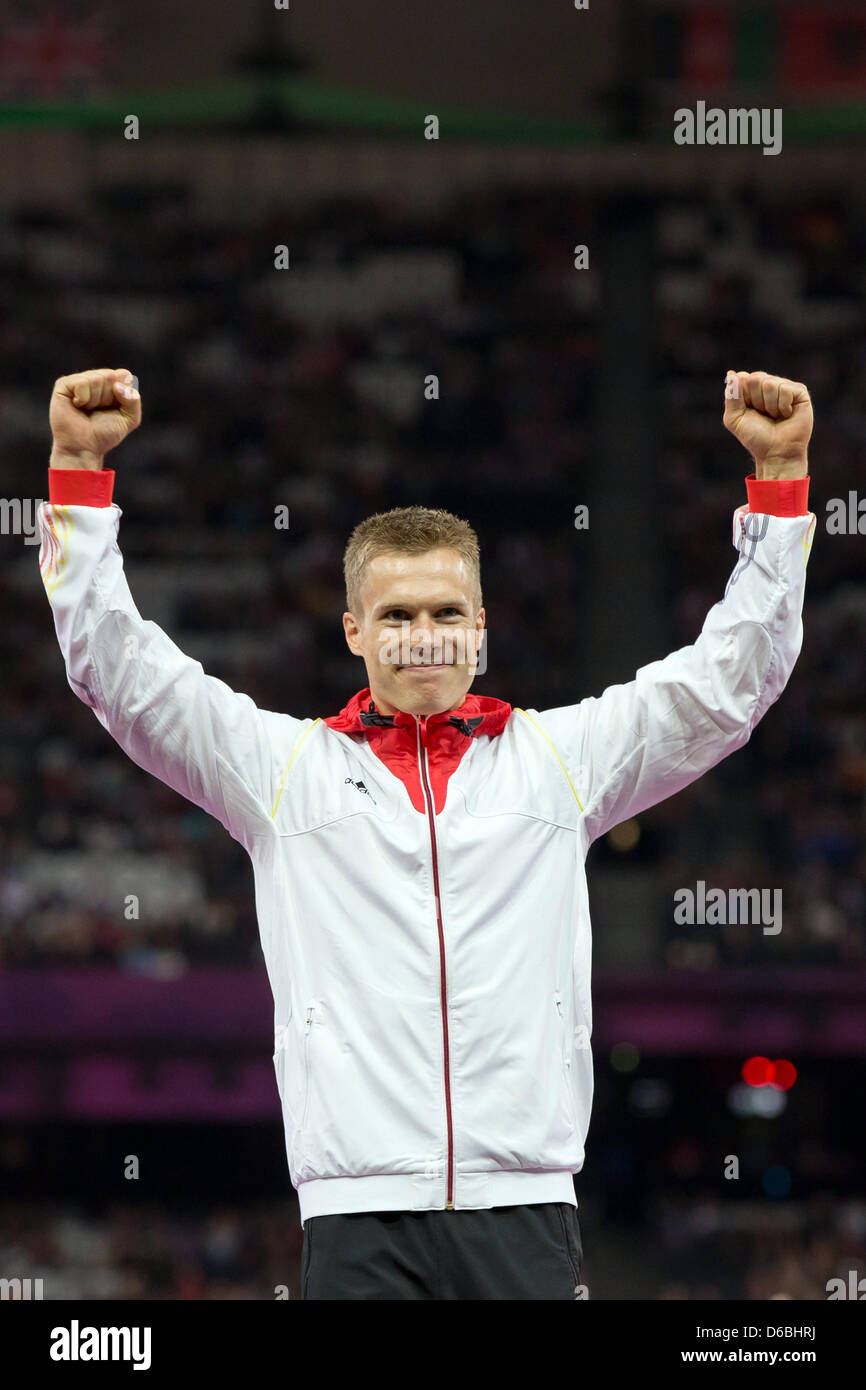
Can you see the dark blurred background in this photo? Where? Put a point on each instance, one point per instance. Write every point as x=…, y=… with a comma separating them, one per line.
x=304, y=387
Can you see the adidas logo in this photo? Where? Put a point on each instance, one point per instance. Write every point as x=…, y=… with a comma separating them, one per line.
x=363, y=788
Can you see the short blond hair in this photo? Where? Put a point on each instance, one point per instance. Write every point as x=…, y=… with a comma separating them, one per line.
x=414, y=531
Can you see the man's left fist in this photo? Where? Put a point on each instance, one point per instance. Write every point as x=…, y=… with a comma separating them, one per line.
x=772, y=418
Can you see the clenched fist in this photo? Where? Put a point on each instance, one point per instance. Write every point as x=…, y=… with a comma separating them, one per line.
x=772, y=418
x=90, y=413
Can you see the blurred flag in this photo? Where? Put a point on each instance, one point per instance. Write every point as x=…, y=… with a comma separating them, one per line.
x=52, y=51
x=814, y=48
x=824, y=50
x=713, y=45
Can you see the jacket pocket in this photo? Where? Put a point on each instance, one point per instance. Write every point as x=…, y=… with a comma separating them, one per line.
x=310, y=1023
x=309, y=1111
x=295, y=1063
x=564, y=1044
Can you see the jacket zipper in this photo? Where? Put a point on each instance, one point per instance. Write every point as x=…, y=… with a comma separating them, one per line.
x=431, y=820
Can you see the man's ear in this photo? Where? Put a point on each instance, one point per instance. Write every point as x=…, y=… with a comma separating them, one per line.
x=353, y=634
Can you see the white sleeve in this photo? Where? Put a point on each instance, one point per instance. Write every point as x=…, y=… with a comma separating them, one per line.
x=189, y=729
x=641, y=742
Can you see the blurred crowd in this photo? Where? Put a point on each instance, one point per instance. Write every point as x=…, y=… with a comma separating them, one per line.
x=154, y=1251
x=691, y=1250
x=714, y=1250
x=303, y=388
x=753, y=282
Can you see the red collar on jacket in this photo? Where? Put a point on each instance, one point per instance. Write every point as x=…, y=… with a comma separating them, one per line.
x=394, y=738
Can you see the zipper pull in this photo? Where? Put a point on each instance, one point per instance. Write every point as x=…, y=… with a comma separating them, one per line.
x=310, y=1017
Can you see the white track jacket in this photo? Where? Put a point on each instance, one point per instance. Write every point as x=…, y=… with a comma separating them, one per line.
x=420, y=883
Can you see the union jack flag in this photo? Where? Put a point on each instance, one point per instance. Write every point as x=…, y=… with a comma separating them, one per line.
x=51, y=52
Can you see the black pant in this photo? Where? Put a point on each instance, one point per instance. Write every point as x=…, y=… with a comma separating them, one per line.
x=520, y=1252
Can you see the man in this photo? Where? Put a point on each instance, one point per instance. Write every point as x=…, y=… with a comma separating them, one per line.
x=419, y=856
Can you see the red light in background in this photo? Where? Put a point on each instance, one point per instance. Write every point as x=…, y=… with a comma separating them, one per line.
x=760, y=1071
x=782, y=1075
x=756, y=1072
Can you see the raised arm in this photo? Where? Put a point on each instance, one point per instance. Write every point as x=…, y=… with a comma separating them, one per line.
x=641, y=742
x=191, y=730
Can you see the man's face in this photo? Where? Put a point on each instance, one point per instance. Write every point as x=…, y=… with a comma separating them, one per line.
x=419, y=631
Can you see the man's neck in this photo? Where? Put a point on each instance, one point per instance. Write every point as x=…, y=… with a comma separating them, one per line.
x=384, y=708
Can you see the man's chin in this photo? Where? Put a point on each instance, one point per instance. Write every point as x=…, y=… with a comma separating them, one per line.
x=422, y=692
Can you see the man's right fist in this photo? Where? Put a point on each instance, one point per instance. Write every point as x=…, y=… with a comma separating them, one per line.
x=90, y=413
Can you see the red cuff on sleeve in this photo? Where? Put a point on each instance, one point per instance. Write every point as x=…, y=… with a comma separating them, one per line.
x=778, y=496
x=81, y=487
